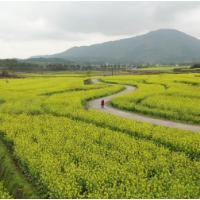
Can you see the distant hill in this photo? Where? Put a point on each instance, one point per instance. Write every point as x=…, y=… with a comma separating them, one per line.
x=161, y=46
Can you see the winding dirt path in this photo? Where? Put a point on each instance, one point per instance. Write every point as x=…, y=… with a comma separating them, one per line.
x=96, y=104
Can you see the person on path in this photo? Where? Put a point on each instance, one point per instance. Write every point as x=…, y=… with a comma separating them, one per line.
x=102, y=103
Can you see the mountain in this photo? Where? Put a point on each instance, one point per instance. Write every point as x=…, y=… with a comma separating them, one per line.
x=161, y=46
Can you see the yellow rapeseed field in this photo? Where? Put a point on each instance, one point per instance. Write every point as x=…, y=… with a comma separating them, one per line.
x=74, y=153
x=174, y=97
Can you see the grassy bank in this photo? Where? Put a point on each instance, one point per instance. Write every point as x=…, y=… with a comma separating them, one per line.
x=15, y=182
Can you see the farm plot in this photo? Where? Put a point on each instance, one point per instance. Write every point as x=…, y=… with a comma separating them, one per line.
x=173, y=97
x=74, y=153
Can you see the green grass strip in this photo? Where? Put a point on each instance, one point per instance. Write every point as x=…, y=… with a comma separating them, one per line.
x=15, y=182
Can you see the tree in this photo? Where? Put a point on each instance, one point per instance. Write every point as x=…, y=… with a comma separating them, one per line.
x=4, y=73
x=112, y=69
x=196, y=65
x=89, y=73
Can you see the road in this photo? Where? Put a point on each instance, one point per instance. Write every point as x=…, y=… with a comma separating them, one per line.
x=96, y=104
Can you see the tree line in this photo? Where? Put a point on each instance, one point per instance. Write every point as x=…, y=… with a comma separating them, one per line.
x=19, y=65
x=15, y=65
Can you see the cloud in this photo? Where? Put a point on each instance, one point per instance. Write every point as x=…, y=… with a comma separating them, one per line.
x=108, y=18
x=81, y=23
x=169, y=11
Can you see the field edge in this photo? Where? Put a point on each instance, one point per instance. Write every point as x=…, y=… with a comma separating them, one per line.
x=15, y=182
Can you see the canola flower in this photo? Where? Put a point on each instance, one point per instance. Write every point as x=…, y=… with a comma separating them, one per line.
x=174, y=97
x=74, y=153
x=73, y=159
x=3, y=192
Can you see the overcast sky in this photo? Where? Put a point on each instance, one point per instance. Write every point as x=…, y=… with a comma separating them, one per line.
x=42, y=28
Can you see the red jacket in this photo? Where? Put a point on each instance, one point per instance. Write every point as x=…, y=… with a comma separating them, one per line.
x=102, y=102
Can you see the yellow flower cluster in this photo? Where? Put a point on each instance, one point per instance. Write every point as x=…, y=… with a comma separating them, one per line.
x=3, y=192
x=74, y=153
x=73, y=159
